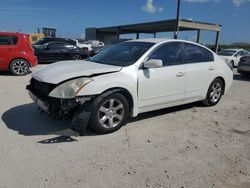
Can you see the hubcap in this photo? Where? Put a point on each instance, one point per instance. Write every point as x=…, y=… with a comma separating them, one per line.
x=77, y=57
x=111, y=113
x=20, y=67
x=215, y=92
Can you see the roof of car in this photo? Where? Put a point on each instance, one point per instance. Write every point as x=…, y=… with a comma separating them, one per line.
x=11, y=33
x=152, y=40
x=159, y=40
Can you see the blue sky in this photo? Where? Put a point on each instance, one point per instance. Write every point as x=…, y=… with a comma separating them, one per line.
x=71, y=17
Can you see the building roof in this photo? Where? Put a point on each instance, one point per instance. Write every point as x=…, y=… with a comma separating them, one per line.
x=160, y=26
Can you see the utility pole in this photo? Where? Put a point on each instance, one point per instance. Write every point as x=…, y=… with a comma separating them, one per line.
x=177, y=19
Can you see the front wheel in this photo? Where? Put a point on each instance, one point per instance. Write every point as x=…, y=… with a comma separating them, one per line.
x=109, y=113
x=214, y=93
x=19, y=67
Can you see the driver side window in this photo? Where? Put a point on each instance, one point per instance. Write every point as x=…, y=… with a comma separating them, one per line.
x=170, y=54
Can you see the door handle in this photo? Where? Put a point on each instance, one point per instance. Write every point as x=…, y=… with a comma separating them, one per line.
x=180, y=74
x=211, y=68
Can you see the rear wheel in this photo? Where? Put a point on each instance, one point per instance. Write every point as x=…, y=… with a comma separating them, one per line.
x=214, y=93
x=77, y=57
x=19, y=67
x=109, y=113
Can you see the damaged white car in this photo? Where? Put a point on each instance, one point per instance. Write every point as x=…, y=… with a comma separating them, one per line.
x=128, y=79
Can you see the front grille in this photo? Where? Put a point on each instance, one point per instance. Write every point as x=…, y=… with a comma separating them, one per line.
x=41, y=89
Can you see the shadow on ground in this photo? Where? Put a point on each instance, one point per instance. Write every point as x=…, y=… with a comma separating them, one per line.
x=164, y=111
x=5, y=73
x=241, y=77
x=27, y=121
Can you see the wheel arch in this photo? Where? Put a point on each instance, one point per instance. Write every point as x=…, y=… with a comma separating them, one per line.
x=223, y=82
x=122, y=91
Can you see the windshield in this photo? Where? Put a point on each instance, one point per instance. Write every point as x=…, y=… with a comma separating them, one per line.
x=122, y=54
x=226, y=52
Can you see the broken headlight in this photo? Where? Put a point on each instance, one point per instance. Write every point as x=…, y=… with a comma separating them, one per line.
x=69, y=89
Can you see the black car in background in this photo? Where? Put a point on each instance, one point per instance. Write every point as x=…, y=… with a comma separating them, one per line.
x=58, y=51
x=244, y=65
x=54, y=39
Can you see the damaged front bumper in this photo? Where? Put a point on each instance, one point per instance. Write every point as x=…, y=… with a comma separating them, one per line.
x=78, y=109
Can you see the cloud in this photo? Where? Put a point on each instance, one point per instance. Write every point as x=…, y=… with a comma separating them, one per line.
x=190, y=19
x=240, y=2
x=25, y=9
x=150, y=8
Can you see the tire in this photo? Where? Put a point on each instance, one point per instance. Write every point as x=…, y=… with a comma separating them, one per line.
x=19, y=67
x=109, y=113
x=214, y=93
x=76, y=57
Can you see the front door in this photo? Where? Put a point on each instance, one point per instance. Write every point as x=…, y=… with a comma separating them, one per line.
x=159, y=87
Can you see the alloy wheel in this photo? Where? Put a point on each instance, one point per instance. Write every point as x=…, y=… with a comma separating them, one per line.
x=111, y=113
x=77, y=57
x=20, y=67
x=215, y=93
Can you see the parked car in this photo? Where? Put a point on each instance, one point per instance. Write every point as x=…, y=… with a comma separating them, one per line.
x=128, y=79
x=244, y=65
x=92, y=46
x=83, y=45
x=58, y=51
x=16, y=53
x=54, y=39
x=232, y=56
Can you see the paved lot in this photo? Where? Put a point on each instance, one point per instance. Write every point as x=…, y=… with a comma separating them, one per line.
x=187, y=146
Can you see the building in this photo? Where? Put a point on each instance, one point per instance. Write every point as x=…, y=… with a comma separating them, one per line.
x=108, y=34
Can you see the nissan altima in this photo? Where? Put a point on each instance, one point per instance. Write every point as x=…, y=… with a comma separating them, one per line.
x=127, y=79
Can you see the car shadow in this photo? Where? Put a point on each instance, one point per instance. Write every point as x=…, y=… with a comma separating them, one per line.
x=241, y=77
x=148, y=115
x=5, y=73
x=26, y=120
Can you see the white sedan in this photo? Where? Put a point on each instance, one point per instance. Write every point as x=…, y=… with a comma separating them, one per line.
x=130, y=78
x=232, y=56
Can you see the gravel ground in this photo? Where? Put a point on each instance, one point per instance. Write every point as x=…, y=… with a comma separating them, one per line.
x=187, y=146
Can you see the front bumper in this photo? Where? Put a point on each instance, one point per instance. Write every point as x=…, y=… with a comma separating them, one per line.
x=78, y=109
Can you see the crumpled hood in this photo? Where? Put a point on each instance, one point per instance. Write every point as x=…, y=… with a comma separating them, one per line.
x=64, y=70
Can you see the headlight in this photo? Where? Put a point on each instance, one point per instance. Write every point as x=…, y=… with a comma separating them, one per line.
x=69, y=90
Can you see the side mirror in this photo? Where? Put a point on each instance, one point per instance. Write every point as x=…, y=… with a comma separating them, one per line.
x=153, y=63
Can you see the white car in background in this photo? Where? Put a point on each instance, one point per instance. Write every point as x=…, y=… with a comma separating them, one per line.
x=127, y=79
x=89, y=44
x=83, y=45
x=232, y=56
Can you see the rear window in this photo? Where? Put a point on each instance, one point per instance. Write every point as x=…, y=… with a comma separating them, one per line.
x=196, y=54
x=8, y=40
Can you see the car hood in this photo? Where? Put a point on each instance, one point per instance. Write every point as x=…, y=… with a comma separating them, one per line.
x=65, y=70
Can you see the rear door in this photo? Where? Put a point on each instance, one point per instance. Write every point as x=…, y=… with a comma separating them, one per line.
x=8, y=50
x=200, y=70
